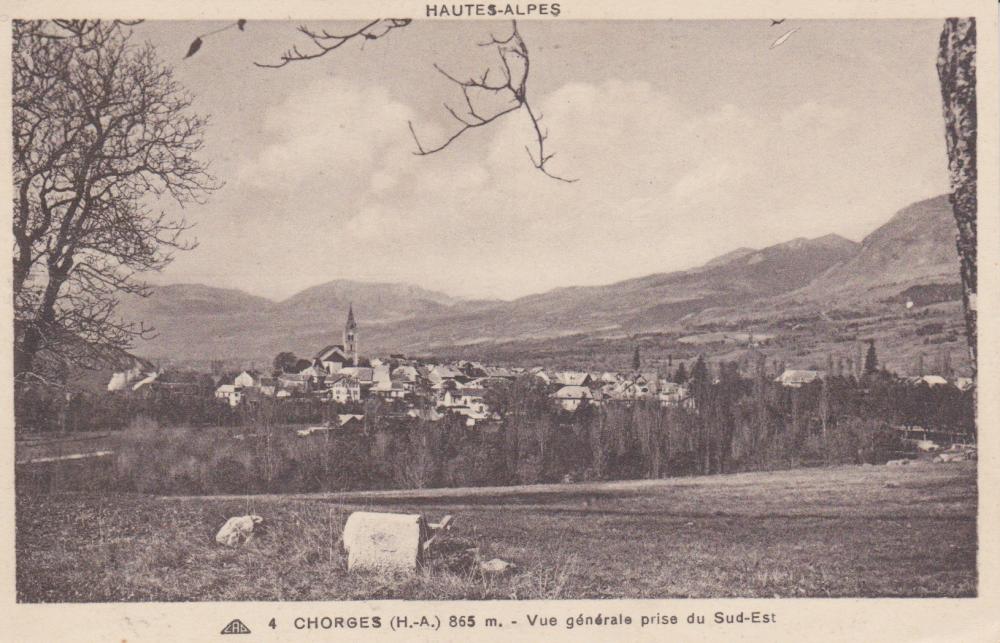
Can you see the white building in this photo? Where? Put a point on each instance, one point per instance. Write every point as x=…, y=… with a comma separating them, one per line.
x=571, y=398
x=795, y=378
x=345, y=389
x=229, y=393
x=247, y=379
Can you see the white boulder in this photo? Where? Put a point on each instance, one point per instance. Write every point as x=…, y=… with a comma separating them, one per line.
x=496, y=566
x=384, y=542
x=237, y=530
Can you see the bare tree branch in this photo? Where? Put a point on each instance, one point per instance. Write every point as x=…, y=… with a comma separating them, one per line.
x=515, y=67
x=325, y=42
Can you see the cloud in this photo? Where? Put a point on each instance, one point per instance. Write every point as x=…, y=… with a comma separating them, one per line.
x=330, y=132
x=661, y=186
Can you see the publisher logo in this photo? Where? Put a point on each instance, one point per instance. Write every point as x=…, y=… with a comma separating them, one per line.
x=236, y=626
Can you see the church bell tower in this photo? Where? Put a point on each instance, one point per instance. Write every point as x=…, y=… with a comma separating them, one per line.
x=350, y=336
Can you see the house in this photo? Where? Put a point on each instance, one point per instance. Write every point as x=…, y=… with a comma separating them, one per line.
x=635, y=389
x=466, y=402
x=671, y=393
x=429, y=415
x=316, y=372
x=794, y=378
x=472, y=369
x=649, y=379
x=628, y=390
x=333, y=353
x=499, y=372
x=293, y=382
x=365, y=375
x=247, y=379
x=146, y=381
x=395, y=391
x=472, y=416
x=407, y=374
x=268, y=386
x=571, y=397
x=573, y=378
x=332, y=367
x=313, y=430
x=457, y=399
x=540, y=373
x=229, y=393
x=350, y=421
x=131, y=368
x=964, y=383
x=440, y=373
x=345, y=389
x=381, y=378
x=120, y=380
x=930, y=380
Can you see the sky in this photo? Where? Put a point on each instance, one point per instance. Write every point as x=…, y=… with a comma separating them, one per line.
x=688, y=139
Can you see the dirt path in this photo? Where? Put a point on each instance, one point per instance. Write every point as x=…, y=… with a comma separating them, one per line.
x=822, y=476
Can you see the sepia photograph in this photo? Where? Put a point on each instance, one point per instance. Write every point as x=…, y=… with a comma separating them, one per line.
x=494, y=304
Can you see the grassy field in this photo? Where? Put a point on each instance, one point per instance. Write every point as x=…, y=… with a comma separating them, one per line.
x=845, y=531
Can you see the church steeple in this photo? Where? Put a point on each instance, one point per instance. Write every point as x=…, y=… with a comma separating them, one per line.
x=350, y=335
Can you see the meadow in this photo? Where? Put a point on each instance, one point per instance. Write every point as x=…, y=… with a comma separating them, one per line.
x=857, y=531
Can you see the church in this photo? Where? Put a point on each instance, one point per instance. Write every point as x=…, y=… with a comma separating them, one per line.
x=336, y=356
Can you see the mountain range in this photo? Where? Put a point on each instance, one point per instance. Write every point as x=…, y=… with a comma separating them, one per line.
x=914, y=248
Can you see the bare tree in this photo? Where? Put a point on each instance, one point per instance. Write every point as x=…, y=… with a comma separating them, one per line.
x=956, y=67
x=486, y=98
x=100, y=130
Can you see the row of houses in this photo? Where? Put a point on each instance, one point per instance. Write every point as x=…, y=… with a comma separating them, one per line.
x=797, y=378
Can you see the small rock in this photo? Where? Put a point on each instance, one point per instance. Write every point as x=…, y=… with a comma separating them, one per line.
x=237, y=530
x=892, y=485
x=496, y=566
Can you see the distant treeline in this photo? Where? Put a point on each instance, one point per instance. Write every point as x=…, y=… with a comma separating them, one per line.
x=730, y=424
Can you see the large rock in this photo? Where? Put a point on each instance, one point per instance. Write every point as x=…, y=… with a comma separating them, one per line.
x=384, y=542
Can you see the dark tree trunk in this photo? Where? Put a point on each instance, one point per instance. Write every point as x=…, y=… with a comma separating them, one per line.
x=956, y=67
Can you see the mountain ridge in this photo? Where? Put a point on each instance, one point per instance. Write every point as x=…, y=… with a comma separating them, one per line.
x=199, y=321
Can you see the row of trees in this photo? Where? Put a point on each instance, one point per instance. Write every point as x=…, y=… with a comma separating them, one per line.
x=730, y=424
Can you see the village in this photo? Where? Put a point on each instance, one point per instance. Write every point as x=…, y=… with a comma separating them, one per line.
x=414, y=387
x=424, y=389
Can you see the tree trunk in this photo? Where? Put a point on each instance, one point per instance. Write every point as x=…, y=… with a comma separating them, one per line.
x=956, y=67
x=33, y=331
